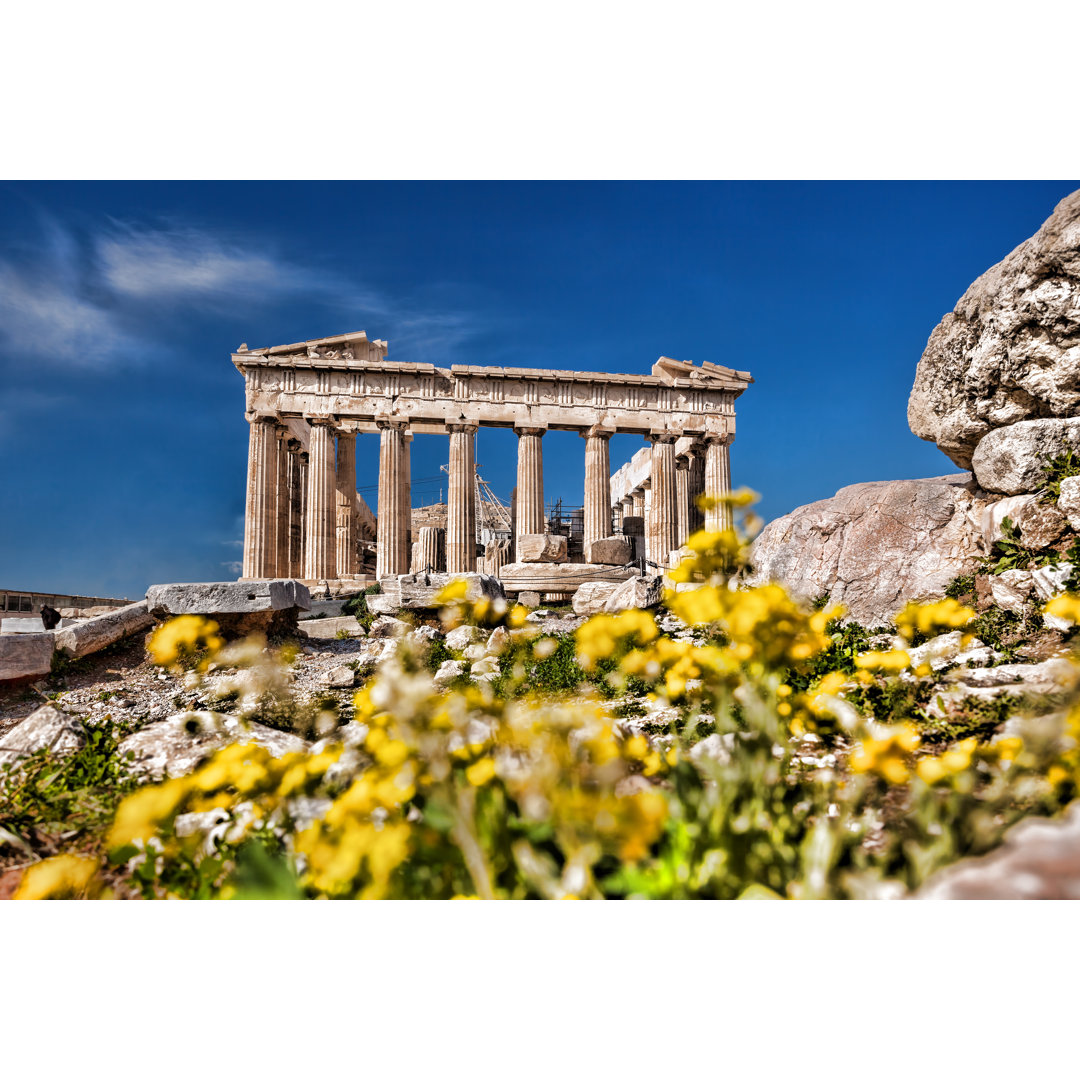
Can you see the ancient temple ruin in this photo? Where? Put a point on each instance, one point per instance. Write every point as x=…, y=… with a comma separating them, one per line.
x=306, y=404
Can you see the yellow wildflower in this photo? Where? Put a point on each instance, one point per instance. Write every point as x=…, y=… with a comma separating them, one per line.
x=929, y=619
x=886, y=756
x=480, y=772
x=894, y=660
x=63, y=877
x=1065, y=606
x=182, y=637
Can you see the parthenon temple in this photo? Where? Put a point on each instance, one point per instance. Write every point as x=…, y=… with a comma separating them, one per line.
x=306, y=404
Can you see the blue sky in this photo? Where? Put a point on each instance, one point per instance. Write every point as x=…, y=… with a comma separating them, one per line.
x=121, y=416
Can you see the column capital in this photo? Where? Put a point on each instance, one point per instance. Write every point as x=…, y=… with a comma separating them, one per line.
x=322, y=421
x=682, y=462
x=662, y=437
x=293, y=445
x=597, y=431
x=463, y=427
x=392, y=425
x=720, y=440
x=529, y=430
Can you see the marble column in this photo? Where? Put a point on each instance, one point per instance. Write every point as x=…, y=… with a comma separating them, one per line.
x=646, y=514
x=347, y=516
x=427, y=552
x=638, y=502
x=406, y=495
x=305, y=469
x=296, y=510
x=260, y=512
x=320, y=522
x=461, y=500
x=682, y=496
x=616, y=517
x=597, y=509
x=281, y=502
x=530, y=481
x=664, y=515
x=627, y=507
x=696, y=487
x=393, y=523
x=718, y=481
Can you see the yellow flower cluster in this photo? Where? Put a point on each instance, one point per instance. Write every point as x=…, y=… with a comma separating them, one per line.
x=182, y=637
x=63, y=877
x=605, y=635
x=931, y=619
x=893, y=661
x=957, y=760
x=456, y=608
x=1065, y=606
x=887, y=756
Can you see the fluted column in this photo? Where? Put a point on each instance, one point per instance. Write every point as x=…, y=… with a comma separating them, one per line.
x=461, y=500
x=616, y=516
x=664, y=516
x=637, y=499
x=646, y=514
x=597, y=510
x=304, y=458
x=390, y=555
x=261, y=505
x=718, y=481
x=627, y=508
x=293, y=482
x=281, y=502
x=530, y=481
x=320, y=523
x=347, y=517
x=696, y=485
x=406, y=493
x=682, y=497
x=427, y=552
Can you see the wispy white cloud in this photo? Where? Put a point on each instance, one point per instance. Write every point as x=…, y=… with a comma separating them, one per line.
x=96, y=301
x=234, y=567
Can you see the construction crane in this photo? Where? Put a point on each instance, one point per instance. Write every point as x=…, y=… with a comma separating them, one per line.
x=497, y=509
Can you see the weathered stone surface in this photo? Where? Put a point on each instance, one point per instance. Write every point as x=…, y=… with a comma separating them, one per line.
x=179, y=743
x=94, y=634
x=227, y=597
x=557, y=577
x=592, y=596
x=1049, y=677
x=636, y=592
x=387, y=627
x=541, y=547
x=461, y=637
x=341, y=677
x=448, y=671
x=417, y=592
x=611, y=551
x=1039, y=860
x=993, y=514
x=875, y=546
x=1010, y=350
x=1069, y=501
x=45, y=727
x=1050, y=581
x=946, y=649
x=528, y=598
x=26, y=655
x=1012, y=459
x=324, y=609
x=330, y=628
x=1010, y=590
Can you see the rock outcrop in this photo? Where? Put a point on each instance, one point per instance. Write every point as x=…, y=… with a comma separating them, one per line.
x=875, y=546
x=1010, y=350
x=1012, y=460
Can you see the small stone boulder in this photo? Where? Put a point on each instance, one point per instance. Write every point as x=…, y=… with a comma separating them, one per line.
x=448, y=671
x=611, y=551
x=636, y=592
x=330, y=628
x=593, y=595
x=340, y=678
x=1010, y=590
x=387, y=627
x=45, y=727
x=529, y=599
x=540, y=548
x=461, y=637
x=1012, y=460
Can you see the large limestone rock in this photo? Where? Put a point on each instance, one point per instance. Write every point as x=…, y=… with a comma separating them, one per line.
x=1010, y=350
x=1039, y=860
x=238, y=607
x=636, y=592
x=541, y=548
x=417, y=592
x=1011, y=460
x=520, y=577
x=611, y=551
x=591, y=597
x=45, y=727
x=94, y=634
x=176, y=745
x=24, y=656
x=875, y=546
